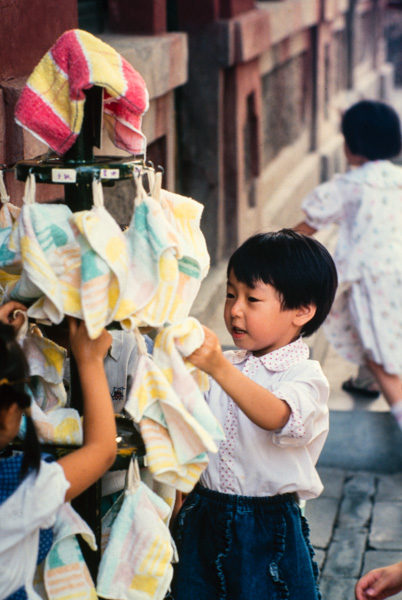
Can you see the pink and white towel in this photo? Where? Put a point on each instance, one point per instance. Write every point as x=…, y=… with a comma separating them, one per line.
x=51, y=105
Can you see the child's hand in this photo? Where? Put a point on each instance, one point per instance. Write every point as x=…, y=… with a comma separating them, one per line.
x=83, y=347
x=379, y=584
x=7, y=314
x=207, y=356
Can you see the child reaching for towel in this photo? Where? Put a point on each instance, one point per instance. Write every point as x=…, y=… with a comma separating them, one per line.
x=240, y=533
x=33, y=488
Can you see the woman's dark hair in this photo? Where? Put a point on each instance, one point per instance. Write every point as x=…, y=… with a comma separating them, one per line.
x=372, y=129
x=299, y=268
x=14, y=372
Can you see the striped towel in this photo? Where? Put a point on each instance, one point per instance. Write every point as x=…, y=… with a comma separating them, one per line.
x=64, y=574
x=104, y=263
x=46, y=366
x=136, y=564
x=51, y=105
x=166, y=400
x=168, y=258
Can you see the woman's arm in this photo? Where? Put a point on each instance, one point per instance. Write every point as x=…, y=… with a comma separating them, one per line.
x=87, y=464
x=261, y=406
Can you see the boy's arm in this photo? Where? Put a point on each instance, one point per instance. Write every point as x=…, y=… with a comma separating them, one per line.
x=261, y=406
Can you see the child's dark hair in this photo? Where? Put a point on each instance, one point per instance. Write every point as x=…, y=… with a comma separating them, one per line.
x=299, y=267
x=14, y=373
x=372, y=129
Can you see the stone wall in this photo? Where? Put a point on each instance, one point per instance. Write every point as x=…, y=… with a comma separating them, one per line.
x=246, y=96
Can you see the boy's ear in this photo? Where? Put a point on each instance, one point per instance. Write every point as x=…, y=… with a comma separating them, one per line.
x=304, y=314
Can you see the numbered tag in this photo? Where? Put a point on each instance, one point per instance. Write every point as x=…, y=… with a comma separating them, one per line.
x=64, y=175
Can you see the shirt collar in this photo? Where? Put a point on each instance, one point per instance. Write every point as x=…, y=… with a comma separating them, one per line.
x=278, y=360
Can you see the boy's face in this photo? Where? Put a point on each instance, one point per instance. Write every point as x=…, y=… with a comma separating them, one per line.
x=255, y=319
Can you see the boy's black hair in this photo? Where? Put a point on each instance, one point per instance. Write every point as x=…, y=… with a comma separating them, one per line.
x=299, y=267
x=372, y=129
x=14, y=369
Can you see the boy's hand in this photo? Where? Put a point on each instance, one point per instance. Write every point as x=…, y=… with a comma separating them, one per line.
x=82, y=346
x=207, y=356
x=7, y=314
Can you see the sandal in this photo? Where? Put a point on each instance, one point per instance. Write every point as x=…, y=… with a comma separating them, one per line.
x=351, y=386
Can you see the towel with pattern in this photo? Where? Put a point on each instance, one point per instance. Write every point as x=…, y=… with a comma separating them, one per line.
x=168, y=257
x=166, y=400
x=51, y=105
x=46, y=364
x=136, y=564
x=64, y=575
x=153, y=271
x=104, y=263
x=50, y=277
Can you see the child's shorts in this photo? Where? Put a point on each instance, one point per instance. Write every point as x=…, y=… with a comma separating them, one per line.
x=242, y=548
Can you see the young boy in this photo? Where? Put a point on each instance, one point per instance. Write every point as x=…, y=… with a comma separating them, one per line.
x=240, y=534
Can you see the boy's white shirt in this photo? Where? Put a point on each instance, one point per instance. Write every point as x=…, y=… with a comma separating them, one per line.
x=30, y=508
x=255, y=462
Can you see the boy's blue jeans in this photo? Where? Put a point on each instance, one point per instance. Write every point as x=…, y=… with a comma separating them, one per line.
x=242, y=548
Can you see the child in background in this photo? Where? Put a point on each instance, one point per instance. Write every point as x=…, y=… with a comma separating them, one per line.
x=240, y=534
x=365, y=323
x=33, y=488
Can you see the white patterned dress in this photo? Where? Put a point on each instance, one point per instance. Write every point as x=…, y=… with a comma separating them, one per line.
x=366, y=318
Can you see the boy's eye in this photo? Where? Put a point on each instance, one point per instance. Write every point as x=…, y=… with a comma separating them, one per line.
x=229, y=295
x=252, y=299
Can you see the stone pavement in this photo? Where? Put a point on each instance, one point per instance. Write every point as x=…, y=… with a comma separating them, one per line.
x=356, y=524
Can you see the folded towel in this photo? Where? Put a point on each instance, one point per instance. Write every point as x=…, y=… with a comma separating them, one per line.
x=51, y=105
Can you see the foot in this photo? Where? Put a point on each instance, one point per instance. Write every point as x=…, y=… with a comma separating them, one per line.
x=353, y=386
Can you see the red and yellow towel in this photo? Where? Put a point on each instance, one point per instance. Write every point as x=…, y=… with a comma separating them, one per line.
x=51, y=105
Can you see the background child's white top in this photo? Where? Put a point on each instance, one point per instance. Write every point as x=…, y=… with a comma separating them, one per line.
x=366, y=318
x=33, y=506
x=255, y=462
x=366, y=203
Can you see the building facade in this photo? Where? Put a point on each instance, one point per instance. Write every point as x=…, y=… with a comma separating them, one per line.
x=245, y=96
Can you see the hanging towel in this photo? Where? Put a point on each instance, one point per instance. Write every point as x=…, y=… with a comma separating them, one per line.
x=104, y=263
x=61, y=426
x=184, y=214
x=136, y=564
x=8, y=212
x=50, y=255
x=46, y=365
x=51, y=105
x=64, y=574
x=168, y=257
x=153, y=271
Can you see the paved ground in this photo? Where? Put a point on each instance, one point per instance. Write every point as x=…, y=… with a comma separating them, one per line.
x=356, y=524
